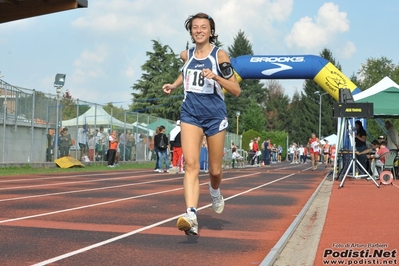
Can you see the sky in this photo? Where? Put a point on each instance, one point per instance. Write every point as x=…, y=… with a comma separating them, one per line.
x=101, y=48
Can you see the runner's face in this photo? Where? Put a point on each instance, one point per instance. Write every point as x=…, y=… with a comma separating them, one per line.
x=201, y=30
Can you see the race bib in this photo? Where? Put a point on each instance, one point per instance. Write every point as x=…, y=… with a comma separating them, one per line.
x=195, y=82
x=314, y=144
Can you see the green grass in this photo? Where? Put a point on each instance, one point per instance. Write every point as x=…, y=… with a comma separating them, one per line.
x=29, y=170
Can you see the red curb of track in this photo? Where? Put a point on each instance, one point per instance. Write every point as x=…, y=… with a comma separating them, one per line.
x=362, y=225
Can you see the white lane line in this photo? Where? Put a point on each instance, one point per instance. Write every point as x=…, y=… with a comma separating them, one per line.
x=94, y=189
x=87, y=206
x=89, y=189
x=75, y=182
x=103, y=203
x=37, y=177
x=105, y=242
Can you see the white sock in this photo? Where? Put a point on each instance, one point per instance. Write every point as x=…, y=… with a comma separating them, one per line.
x=192, y=209
x=214, y=192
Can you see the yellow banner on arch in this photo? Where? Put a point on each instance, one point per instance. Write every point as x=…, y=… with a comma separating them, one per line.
x=331, y=79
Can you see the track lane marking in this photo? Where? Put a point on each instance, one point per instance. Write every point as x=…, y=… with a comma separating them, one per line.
x=105, y=242
x=37, y=177
x=75, y=182
x=87, y=190
x=107, y=202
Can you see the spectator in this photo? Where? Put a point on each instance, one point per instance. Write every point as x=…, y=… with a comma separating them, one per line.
x=151, y=153
x=49, y=145
x=123, y=153
x=157, y=132
x=251, y=152
x=301, y=151
x=375, y=145
x=379, y=159
x=296, y=153
x=92, y=147
x=162, y=149
x=100, y=143
x=175, y=142
x=267, y=149
x=235, y=157
x=360, y=143
x=291, y=153
x=65, y=142
x=113, y=146
x=130, y=145
x=83, y=140
x=392, y=136
x=274, y=153
x=255, y=148
x=279, y=152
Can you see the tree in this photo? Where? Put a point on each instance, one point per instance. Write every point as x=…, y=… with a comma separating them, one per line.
x=276, y=108
x=68, y=106
x=253, y=118
x=117, y=112
x=250, y=89
x=297, y=131
x=161, y=67
x=376, y=69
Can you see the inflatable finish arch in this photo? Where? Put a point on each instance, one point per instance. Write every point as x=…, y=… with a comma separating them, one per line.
x=325, y=74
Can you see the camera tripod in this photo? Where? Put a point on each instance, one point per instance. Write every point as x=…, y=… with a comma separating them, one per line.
x=354, y=162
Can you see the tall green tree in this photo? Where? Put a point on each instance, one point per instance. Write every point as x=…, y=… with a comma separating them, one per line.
x=297, y=131
x=376, y=69
x=250, y=89
x=276, y=108
x=252, y=118
x=161, y=67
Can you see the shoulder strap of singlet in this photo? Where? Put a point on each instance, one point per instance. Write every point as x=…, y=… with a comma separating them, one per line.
x=190, y=53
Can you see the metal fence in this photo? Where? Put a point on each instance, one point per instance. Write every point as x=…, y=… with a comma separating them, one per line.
x=28, y=116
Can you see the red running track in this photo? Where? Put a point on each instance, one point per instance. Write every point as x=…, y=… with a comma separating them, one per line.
x=128, y=217
x=362, y=225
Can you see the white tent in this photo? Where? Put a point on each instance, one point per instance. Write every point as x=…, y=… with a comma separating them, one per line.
x=332, y=139
x=141, y=127
x=95, y=116
x=382, y=85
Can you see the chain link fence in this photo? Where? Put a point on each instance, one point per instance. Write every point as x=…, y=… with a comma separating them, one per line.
x=29, y=120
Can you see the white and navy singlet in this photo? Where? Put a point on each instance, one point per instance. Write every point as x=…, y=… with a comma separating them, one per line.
x=203, y=98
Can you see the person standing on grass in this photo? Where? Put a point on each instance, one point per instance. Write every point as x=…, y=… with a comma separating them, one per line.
x=162, y=150
x=206, y=71
x=113, y=146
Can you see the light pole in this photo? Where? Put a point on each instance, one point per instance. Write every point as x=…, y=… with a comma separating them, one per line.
x=58, y=83
x=237, y=115
x=320, y=97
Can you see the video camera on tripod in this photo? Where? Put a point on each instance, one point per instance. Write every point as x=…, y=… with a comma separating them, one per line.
x=347, y=108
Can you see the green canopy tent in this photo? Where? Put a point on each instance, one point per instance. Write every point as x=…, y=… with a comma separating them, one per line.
x=169, y=125
x=385, y=97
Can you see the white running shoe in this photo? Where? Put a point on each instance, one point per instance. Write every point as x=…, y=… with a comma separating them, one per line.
x=188, y=223
x=217, y=202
